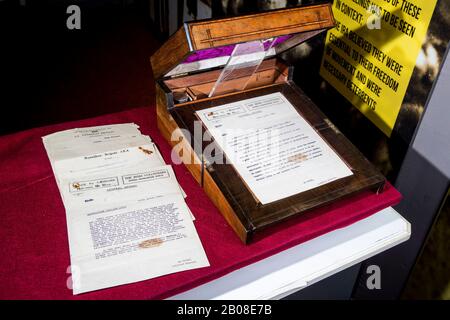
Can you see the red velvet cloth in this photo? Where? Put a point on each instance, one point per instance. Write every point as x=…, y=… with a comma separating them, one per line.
x=34, y=252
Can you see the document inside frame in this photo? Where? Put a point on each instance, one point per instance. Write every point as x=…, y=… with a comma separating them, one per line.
x=274, y=149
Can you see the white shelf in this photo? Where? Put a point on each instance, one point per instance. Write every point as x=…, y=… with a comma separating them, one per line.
x=298, y=267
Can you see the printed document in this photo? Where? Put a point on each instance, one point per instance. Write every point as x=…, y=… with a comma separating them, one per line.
x=273, y=148
x=126, y=216
x=128, y=225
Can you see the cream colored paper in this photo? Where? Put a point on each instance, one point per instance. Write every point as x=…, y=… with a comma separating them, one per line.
x=128, y=225
x=117, y=244
x=276, y=151
x=126, y=217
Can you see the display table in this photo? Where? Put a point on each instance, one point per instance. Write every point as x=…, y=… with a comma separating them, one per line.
x=35, y=255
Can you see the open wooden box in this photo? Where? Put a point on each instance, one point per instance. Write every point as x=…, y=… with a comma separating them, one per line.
x=186, y=68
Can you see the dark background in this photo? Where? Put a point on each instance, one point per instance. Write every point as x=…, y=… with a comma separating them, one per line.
x=49, y=74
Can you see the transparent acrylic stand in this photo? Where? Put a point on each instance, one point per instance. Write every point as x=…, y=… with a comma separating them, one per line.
x=242, y=64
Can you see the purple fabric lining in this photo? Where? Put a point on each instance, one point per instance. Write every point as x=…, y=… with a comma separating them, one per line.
x=226, y=50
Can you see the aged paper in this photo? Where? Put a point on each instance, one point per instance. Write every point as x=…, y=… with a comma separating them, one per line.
x=117, y=185
x=117, y=244
x=276, y=151
x=128, y=225
x=67, y=147
x=126, y=216
x=98, y=162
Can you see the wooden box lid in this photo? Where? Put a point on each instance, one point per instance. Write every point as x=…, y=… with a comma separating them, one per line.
x=206, y=44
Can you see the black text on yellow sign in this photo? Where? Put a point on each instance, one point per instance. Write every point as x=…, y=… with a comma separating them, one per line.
x=371, y=54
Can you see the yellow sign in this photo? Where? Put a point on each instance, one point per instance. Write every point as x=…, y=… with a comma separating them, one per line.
x=371, y=54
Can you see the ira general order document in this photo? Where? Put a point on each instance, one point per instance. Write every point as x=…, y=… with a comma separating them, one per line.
x=126, y=216
x=128, y=225
x=273, y=148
